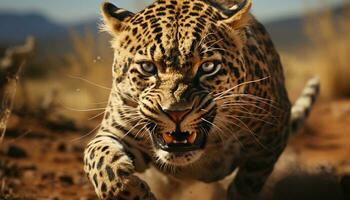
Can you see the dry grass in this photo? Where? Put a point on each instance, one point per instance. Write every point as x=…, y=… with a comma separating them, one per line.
x=328, y=57
x=91, y=60
x=88, y=75
x=78, y=84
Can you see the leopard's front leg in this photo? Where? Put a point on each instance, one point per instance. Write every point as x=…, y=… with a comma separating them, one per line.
x=251, y=178
x=256, y=168
x=110, y=166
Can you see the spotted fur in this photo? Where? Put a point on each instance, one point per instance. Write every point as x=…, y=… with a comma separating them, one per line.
x=198, y=91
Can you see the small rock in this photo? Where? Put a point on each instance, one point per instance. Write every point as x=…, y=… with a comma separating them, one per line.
x=48, y=176
x=28, y=174
x=16, y=152
x=65, y=179
x=62, y=147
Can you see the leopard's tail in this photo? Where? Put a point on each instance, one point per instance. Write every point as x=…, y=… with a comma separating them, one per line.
x=303, y=105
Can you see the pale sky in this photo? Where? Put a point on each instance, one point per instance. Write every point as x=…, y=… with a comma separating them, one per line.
x=72, y=11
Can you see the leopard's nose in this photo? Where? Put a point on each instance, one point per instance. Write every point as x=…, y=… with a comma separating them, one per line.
x=177, y=115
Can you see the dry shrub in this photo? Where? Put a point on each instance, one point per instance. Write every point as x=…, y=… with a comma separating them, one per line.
x=328, y=55
x=91, y=58
x=331, y=38
x=88, y=75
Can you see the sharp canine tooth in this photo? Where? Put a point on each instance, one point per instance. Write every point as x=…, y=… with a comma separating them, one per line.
x=168, y=138
x=192, y=138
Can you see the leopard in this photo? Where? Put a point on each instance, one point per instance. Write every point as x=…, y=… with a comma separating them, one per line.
x=198, y=92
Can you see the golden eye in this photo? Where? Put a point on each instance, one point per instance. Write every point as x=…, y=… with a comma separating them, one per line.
x=210, y=67
x=148, y=67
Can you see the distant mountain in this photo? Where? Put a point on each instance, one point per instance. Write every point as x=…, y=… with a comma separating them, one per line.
x=16, y=27
x=288, y=33
x=90, y=25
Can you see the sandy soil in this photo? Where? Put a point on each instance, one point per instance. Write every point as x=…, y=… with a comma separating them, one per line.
x=38, y=163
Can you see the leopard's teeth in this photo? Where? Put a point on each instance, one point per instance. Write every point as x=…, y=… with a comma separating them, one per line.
x=180, y=142
x=192, y=138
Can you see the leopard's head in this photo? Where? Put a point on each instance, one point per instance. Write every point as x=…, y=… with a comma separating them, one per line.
x=174, y=62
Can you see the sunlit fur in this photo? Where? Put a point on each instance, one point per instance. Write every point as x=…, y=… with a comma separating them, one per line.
x=241, y=105
x=179, y=56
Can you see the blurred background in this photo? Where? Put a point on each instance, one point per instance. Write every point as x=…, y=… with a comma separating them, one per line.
x=65, y=85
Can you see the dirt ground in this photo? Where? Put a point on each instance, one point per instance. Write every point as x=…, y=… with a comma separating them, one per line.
x=39, y=163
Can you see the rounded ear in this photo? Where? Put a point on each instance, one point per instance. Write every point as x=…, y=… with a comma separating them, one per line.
x=113, y=17
x=237, y=15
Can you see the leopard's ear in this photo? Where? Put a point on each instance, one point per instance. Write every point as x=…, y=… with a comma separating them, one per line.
x=113, y=17
x=238, y=15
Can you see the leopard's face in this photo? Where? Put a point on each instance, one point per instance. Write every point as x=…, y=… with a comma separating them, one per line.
x=173, y=63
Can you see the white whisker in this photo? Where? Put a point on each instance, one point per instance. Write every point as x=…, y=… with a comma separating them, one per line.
x=236, y=86
x=86, y=135
x=84, y=110
x=90, y=82
x=132, y=128
x=252, y=133
x=96, y=116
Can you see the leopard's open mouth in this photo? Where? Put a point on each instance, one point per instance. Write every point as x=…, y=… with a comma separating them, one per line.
x=178, y=141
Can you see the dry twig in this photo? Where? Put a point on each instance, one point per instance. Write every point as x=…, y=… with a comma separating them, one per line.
x=15, y=58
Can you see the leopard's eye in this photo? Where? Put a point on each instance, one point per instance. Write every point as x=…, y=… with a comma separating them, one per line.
x=148, y=67
x=210, y=67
